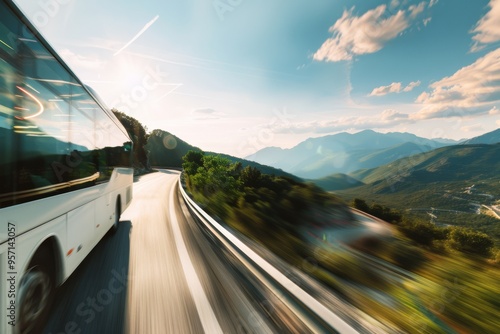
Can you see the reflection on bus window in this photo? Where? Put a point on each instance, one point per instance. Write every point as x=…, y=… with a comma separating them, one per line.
x=57, y=137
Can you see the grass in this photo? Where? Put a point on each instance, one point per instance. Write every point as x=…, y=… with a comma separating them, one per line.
x=465, y=292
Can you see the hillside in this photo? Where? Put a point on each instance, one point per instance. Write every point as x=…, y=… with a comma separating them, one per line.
x=344, y=152
x=456, y=185
x=337, y=181
x=458, y=162
x=492, y=137
x=167, y=150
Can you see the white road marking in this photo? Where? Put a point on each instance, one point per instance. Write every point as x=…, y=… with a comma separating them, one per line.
x=205, y=311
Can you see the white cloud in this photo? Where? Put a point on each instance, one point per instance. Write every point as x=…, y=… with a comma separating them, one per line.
x=426, y=21
x=394, y=4
x=387, y=119
x=207, y=114
x=415, y=10
x=411, y=86
x=395, y=87
x=473, y=128
x=432, y=3
x=356, y=35
x=78, y=61
x=391, y=115
x=368, y=33
x=494, y=111
x=487, y=29
x=473, y=89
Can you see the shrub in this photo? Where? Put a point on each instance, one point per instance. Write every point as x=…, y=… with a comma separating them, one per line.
x=469, y=241
x=406, y=256
x=421, y=232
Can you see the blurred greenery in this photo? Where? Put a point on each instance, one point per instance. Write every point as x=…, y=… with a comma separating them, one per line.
x=449, y=202
x=427, y=234
x=272, y=209
x=462, y=291
x=452, y=282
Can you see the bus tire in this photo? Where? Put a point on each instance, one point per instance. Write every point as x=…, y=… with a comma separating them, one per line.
x=118, y=212
x=36, y=293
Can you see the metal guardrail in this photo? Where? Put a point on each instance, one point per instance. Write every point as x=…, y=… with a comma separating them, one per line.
x=315, y=315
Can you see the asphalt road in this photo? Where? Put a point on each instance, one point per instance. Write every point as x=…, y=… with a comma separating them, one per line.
x=162, y=273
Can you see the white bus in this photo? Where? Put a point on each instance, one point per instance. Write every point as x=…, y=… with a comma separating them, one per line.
x=65, y=172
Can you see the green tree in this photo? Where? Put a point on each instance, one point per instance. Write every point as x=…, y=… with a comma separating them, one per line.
x=214, y=179
x=469, y=241
x=192, y=161
x=421, y=232
x=139, y=136
x=360, y=204
x=250, y=177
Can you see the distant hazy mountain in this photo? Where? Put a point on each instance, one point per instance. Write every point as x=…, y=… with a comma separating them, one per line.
x=447, y=141
x=167, y=150
x=337, y=181
x=488, y=138
x=344, y=152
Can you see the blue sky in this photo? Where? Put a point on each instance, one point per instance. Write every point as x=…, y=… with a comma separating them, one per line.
x=234, y=76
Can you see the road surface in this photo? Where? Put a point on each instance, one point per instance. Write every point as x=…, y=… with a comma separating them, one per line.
x=161, y=273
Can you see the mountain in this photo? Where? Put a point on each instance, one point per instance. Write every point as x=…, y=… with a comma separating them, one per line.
x=453, y=163
x=337, y=181
x=167, y=150
x=344, y=152
x=492, y=137
x=448, y=141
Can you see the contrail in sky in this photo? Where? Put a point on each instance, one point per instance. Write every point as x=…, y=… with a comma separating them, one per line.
x=149, y=24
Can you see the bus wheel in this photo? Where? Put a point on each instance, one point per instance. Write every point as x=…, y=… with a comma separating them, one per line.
x=118, y=212
x=35, y=297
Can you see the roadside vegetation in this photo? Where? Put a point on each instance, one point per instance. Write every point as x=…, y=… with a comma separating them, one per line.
x=276, y=211
x=443, y=240
x=453, y=203
x=448, y=281
x=457, y=269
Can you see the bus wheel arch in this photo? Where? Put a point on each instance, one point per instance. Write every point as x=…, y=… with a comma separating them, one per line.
x=118, y=212
x=37, y=288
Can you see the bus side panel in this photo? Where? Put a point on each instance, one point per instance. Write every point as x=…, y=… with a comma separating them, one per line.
x=104, y=213
x=80, y=238
x=125, y=180
x=28, y=216
x=120, y=186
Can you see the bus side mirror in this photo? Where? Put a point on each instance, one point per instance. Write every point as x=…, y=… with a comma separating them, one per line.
x=127, y=147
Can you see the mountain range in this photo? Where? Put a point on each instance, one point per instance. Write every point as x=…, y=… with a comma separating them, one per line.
x=345, y=153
